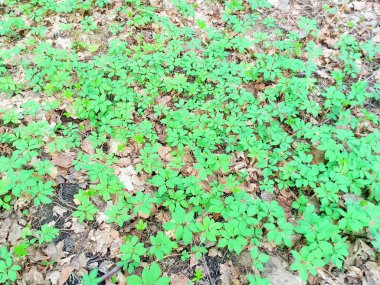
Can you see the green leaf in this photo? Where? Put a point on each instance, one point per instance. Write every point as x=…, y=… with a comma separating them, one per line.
x=134, y=280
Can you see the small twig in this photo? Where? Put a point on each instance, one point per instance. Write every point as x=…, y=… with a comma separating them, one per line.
x=110, y=273
x=224, y=255
x=171, y=255
x=333, y=277
x=207, y=270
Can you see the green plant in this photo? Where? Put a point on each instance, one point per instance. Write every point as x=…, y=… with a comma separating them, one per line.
x=88, y=24
x=131, y=252
x=208, y=229
x=8, y=85
x=91, y=278
x=211, y=116
x=5, y=196
x=86, y=210
x=11, y=116
x=306, y=262
x=141, y=225
x=149, y=276
x=198, y=275
x=180, y=225
x=161, y=245
x=257, y=280
x=8, y=270
x=47, y=233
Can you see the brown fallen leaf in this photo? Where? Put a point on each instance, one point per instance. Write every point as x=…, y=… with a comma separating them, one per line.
x=230, y=274
x=53, y=172
x=59, y=210
x=65, y=273
x=63, y=160
x=164, y=153
x=15, y=233
x=53, y=277
x=318, y=156
x=276, y=271
x=55, y=252
x=102, y=239
x=359, y=5
x=4, y=230
x=115, y=247
x=129, y=178
x=114, y=146
x=33, y=276
x=372, y=277
x=86, y=146
x=179, y=279
x=64, y=43
x=164, y=100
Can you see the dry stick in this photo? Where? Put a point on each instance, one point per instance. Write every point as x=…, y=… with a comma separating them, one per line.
x=333, y=277
x=110, y=273
x=171, y=255
x=207, y=270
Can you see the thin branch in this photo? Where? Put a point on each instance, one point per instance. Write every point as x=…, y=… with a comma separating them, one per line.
x=110, y=273
x=207, y=270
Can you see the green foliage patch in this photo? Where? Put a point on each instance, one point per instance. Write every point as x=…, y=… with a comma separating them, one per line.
x=213, y=97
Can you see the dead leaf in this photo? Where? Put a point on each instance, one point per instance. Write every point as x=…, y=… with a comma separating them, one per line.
x=318, y=156
x=129, y=178
x=102, y=239
x=355, y=272
x=63, y=160
x=164, y=153
x=230, y=274
x=64, y=43
x=282, y=5
x=114, y=146
x=59, y=210
x=36, y=256
x=115, y=247
x=34, y=277
x=65, y=274
x=55, y=252
x=179, y=279
x=124, y=161
x=359, y=5
x=164, y=100
x=372, y=277
x=86, y=146
x=77, y=227
x=53, y=172
x=277, y=273
x=15, y=233
x=193, y=260
x=53, y=277
x=4, y=230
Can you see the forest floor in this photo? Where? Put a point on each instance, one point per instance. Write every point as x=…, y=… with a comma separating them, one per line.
x=189, y=142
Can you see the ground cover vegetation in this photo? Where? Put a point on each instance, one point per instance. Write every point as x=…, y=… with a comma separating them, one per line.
x=219, y=115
